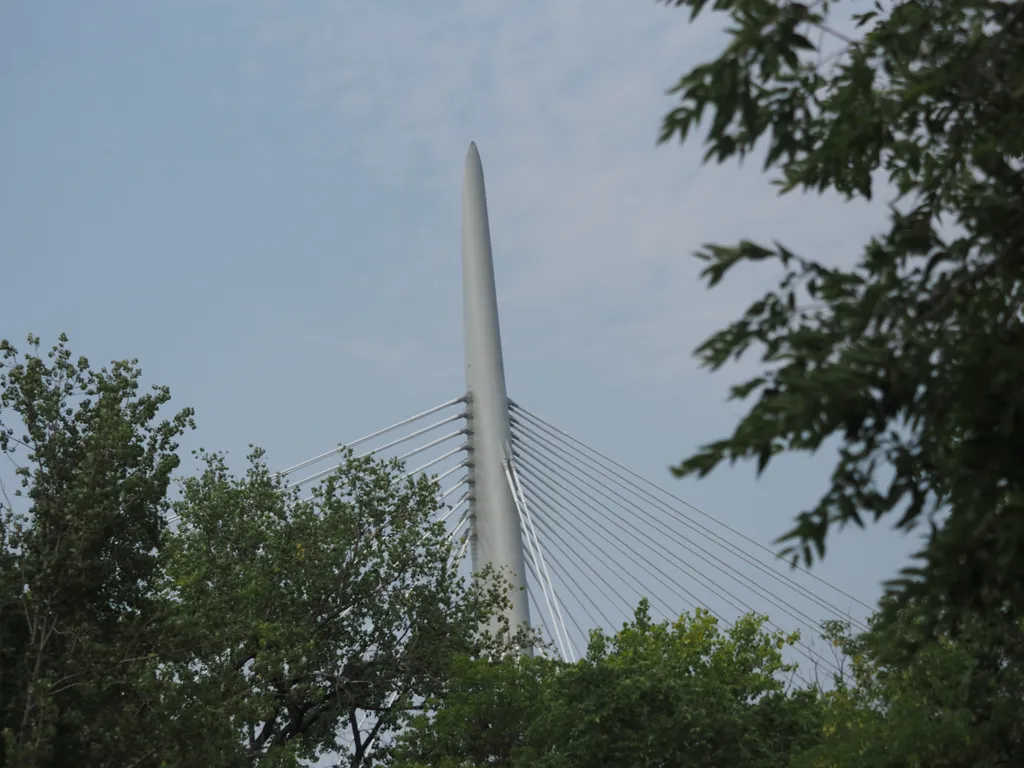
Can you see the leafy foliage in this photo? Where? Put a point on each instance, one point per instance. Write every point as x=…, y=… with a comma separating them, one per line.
x=78, y=565
x=912, y=358
x=304, y=620
x=257, y=633
x=480, y=717
x=653, y=694
x=952, y=703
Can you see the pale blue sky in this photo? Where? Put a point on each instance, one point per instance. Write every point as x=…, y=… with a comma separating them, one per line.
x=260, y=201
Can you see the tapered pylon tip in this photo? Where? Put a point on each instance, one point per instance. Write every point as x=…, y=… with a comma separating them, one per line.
x=474, y=198
x=472, y=154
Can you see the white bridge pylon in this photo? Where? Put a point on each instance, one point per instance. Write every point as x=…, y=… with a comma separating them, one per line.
x=496, y=511
x=582, y=537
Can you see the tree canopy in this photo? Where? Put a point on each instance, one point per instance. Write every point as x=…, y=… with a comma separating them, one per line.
x=263, y=630
x=680, y=693
x=312, y=625
x=689, y=693
x=910, y=357
x=953, y=702
x=79, y=572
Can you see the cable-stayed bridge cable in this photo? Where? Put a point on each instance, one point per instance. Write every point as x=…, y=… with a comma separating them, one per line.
x=556, y=542
x=545, y=520
x=706, y=533
x=532, y=569
x=579, y=536
x=438, y=460
x=533, y=599
x=551, y=428
x=579, y=630
x=463, y=482
x=392, y=444
x=454, y=532
x=527, y=522
x=465, y=545
x=528, y=430
x=607, y=622
x=728, y=597
x=533, y=550
x=462, y=500
x=556, y=629
x=424, y=467
x=367, y=438
x=616, y=542
x=714, y=588
x=696, y=549
x=645, y=590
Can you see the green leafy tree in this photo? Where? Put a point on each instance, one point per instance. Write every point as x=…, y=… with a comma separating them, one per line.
x=81, y=524
x=954, y=702
x=684, y=693
x=480, y=717
x=311, y=627
x=912, y=358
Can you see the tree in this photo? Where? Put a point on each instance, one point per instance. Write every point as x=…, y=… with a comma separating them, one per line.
x=78, y=565
x=304, y=620
x=913, y=358
x=953, y=703
x=684, y=693
x=480, y=717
